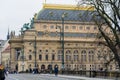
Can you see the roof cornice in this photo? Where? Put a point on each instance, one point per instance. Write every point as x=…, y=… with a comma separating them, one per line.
x=68, y=7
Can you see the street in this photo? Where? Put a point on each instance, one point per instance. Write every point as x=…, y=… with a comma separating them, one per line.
x=47, y=77
x=35, y=77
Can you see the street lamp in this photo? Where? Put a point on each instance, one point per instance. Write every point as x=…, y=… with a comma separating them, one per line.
x=22, y=50
x=62, y=41
x=35, y=53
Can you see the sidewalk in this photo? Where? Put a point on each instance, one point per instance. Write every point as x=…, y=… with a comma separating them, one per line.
x=76, y=77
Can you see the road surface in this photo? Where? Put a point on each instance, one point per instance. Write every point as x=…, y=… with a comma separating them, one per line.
x=47, y=77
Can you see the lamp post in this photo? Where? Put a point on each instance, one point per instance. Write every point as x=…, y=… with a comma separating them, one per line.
x=35, y=53
x=23, y=59
x=22, y=50
x=62, y=41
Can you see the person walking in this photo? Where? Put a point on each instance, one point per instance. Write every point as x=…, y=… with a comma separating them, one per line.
x=2, y=72
x=56, y=70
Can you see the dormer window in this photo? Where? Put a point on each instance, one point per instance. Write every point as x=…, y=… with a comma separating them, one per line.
x=51, y=13
x=79, y=15
x=65, y=14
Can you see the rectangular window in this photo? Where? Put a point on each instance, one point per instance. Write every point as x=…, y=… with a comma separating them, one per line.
x=52, y=27
x=95, y=28
x=44, y=26
x=85, y=59
x=80, y=27
x=59, y=57
x=67, y=57
x=30, y=57
x=66, y=27
x=73, y=27
x=88, y=28
x=46, y=57
x=82, y=58
x=53, y=57
x=40, y=57
x=92, y=57
x=75, y=57
x=89, y=58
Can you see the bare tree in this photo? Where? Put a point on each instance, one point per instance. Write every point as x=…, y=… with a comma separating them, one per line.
x=108, y=24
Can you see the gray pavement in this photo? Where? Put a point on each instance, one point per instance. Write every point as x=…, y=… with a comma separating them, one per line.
x=48, y=77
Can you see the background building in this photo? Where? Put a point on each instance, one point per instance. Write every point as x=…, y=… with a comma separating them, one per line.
x=3, y=45
x=5, y=57
x=62, y=35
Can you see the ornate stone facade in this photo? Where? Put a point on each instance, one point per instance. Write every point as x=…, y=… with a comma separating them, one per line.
x=41, y=44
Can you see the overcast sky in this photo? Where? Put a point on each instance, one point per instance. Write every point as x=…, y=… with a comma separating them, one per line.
x=14, y=13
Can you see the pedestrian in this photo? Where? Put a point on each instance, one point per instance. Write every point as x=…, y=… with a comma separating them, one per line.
x=56, y=70
x=7, y=72
x=2, y=72
x=30, y=70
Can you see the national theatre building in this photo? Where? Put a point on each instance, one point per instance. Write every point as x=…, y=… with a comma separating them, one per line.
x=58, y=35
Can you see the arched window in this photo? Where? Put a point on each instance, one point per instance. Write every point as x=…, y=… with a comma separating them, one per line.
x=76, y=57
x=68, y=55
x=91, y=56
x=68, y=52
x=75, y=51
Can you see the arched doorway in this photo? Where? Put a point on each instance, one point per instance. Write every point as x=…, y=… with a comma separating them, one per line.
x=42, y=67
x=16, y=67
x=29, y=68
x=49, y=67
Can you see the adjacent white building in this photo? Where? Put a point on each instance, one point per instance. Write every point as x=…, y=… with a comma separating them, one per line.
x=3, y=45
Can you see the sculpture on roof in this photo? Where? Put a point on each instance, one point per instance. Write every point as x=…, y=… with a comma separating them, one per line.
x=25, y=27
x=31, y=23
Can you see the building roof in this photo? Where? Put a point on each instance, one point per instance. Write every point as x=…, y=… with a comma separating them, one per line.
x=2, y=44
x=71, y=13
x=7, y=49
